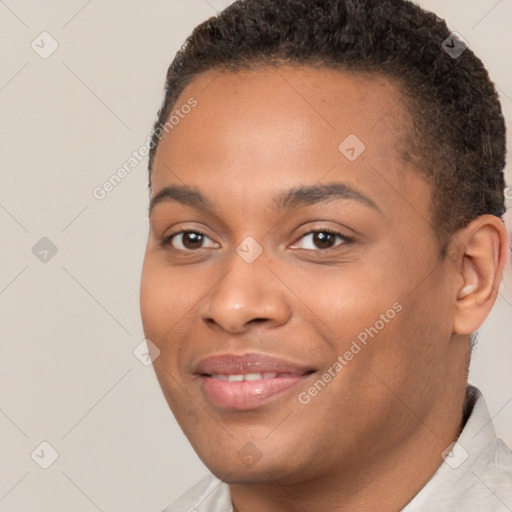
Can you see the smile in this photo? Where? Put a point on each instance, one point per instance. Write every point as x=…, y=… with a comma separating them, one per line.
x=249, y=381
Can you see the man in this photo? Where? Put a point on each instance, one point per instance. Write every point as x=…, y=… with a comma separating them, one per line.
x=325, y=237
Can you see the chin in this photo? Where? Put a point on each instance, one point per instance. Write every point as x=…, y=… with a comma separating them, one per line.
x=259, y=474
x=250, y=465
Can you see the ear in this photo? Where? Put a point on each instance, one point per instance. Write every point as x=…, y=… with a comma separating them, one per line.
x=479, y=253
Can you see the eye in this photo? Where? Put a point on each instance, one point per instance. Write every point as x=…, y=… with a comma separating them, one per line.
x=188, y=240
x=321, y=239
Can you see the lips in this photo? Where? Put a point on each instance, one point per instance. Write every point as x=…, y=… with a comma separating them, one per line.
x=244, y=382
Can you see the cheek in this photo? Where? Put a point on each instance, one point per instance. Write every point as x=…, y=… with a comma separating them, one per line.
x=160, y=313
x=342, y=302
x=165, y=297
x=153, y=299
x=163, y=315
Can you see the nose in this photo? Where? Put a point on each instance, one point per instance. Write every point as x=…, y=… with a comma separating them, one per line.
x=247, y=295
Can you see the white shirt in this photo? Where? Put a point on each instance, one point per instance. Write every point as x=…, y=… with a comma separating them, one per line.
x=476, y=476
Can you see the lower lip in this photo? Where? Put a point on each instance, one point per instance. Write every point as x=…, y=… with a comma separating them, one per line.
x=247, y=395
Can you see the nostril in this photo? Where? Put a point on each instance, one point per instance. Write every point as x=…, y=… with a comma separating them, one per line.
x=259, y=320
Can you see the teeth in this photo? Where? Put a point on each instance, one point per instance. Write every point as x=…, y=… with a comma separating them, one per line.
x=247, y=377
x=253, y=376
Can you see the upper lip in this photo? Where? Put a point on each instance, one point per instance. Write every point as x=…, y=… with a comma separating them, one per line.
x=235, y=364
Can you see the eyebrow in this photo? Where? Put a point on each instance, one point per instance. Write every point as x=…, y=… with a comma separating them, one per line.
x=182, y=194
x=312, y=194
x=295, y=197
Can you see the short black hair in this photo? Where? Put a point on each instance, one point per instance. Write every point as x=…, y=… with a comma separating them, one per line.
x=458, y=139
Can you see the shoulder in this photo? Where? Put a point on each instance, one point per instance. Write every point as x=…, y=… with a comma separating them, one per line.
x=209, y=495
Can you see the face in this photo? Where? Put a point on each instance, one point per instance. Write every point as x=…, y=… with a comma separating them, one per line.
x=292, y=281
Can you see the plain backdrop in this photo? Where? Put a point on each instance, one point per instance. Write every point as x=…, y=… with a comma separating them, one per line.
x=70, y=319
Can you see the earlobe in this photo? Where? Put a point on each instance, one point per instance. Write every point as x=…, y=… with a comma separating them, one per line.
x=484, y=254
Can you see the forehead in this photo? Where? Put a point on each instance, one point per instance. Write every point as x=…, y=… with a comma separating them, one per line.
x=294, y=101
x=255, y=131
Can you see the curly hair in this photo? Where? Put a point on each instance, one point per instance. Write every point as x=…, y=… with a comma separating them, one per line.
x=458, y=135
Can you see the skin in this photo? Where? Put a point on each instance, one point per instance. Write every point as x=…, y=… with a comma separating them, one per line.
x=373, y=437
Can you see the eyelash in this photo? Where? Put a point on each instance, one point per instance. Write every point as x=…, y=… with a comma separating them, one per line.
x=167, y=240
x=345, y=240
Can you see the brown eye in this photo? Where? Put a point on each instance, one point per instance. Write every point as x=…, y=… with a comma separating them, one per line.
x=189, y=240
x=321, y=239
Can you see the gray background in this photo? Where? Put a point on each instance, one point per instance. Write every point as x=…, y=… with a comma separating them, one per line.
x=70, y=324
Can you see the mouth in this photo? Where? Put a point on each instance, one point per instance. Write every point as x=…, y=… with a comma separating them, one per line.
x=248, y=381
